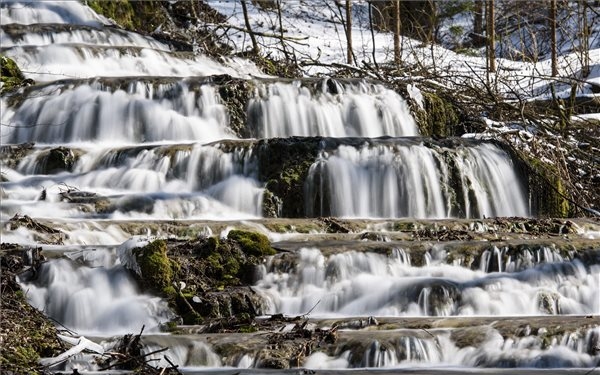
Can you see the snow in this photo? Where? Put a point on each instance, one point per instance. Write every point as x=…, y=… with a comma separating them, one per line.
x=416, y=95
x=320, y=41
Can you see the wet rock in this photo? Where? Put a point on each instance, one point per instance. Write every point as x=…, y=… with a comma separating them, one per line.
x=11, y=155
x=155, y=268
x=215, y=275
x=471, y=336
x=271, y=205
x=137, y=203
x=25, y=333
x=11, y=76
x=284, y=164
x=44, y=234
x=548, y=302
x=374, y=236
x=235, y=93
x=56, y=160
x=78, y=196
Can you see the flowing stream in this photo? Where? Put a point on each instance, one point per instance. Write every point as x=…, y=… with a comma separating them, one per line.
x=121, y=128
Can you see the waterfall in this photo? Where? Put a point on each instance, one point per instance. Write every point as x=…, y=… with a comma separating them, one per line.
x=407, y=351
x=126, y=135
x=334, y=108
x=365, y=284
x=138, y=112
x=39, y=35
x=98, y=297
x=40, y=12
x=172, y=181
x=413, y=180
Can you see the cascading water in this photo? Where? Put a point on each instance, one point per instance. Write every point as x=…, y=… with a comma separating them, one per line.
x=179, y=181
x=414, y=180
x=98, y=297
x=108, y=113
x=335, y=109
x=67, y=12
x=405, y=350
x=125, y=129
x=362, y=284
x=13, y=34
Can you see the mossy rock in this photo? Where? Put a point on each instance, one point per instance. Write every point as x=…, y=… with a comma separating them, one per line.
x=235, y=93
x=119, y=11
x=439, y=118
x=11, y=76
x=284, y=164
x=271, y=205
x=252, y=243
x=282, y=68
x=547, y=193
x=59, y=159
x=155, y=267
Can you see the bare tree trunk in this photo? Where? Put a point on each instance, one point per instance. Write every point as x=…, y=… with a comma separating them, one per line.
x=478, y=19
x=373, y=36
x=278, y=3
x=554, y=54
x=491, y=36
x=349, y=29
x=255, y=48
x=397, y=28
x=585, y=40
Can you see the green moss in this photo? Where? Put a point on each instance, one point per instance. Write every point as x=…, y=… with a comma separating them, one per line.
x=213, y=243
x=10, y=75
x=156, y=268
x=192, y=318
x=120, y=11
x=171, y=327
x=223, y=262
x=279, y=68
x=248, y=328
x=547, y=191
x=25, y=333
x=252, y=243
x=139, y=16
x=439, y=118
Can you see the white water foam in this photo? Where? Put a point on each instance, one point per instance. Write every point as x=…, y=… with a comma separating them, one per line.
x=140, y=112
x=10, y=37
x=32, y=12
x=414, y=181
x=97, y=298
x=361, y=284
x=170, y=182
x=408, y=349
x=358, y=109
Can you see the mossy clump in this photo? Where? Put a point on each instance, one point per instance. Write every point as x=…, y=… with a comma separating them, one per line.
x=547, y=193
x=252, y=243
x=439, y=118
x=10, y=75
x=283, y=68
x=138, y=16
x=155, y=267
x=119, y=11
